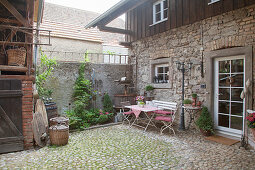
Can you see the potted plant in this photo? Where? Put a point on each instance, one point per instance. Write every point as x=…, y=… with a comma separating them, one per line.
x=251, y=123
x=194, y=99
x=139, y=100
x=149, y=89
x=187, y=102
x=205, y=123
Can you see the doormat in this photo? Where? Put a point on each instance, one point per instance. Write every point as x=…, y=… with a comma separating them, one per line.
x=222, y=140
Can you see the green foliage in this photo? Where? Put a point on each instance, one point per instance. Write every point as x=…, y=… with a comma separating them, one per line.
x=194, y=95
x=187, y=101
x=149, y=88
x=43, y=73
x=82, y=116
x=205, y=122
x=107, y=104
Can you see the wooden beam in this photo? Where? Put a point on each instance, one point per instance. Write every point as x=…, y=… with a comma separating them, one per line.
x=14, y=12
x=14, y=68
x=6, y=20
x=115, y=30
x=19, y=77
x=125, y=44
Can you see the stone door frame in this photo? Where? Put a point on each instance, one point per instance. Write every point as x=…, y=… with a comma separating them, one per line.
x=209, y=74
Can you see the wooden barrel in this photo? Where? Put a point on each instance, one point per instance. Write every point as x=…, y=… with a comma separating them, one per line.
x=59, y=120
x=52, y=110
x=59, y=135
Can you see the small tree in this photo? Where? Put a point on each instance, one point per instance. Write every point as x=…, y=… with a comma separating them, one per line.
x=107, y=104
x=205, y=121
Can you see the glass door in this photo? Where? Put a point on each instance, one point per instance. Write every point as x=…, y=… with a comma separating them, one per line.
x=229, y=84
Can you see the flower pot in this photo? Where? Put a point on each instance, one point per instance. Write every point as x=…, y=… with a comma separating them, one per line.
x=187, y=105
x=194, y=102
x=206, y=132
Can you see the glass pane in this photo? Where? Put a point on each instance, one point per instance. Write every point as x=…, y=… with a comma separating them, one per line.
x=237, y=80
x=165, y=13
x=224, y=107
x=237, y=109
x=158, y=8
x=158, y=17
x=160, y=70
x=236, y=123
x=224, y=66
x=165, y=4
x=223, y=121
x=224, y=80
x=237, y=65
x=224, y=94
x=235, y=94
x=166, y=69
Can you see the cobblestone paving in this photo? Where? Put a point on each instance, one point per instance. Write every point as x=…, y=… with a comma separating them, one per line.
x=118, y=147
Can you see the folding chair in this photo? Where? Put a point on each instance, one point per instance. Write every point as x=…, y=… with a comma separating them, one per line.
x=126, y=114
x=167, y=121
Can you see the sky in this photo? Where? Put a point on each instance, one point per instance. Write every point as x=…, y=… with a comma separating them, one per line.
x=98, y=6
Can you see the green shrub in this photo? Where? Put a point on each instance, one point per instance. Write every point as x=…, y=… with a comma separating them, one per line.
x=107, y=104
x=194, y=95
x=205, y=121
x=149, y=88
x=187, y=101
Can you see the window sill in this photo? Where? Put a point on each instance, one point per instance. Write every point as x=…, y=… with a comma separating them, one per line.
x=162, y=86
x=158, y=22
x=213, y=2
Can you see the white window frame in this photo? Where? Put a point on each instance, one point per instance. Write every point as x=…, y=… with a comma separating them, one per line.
x=213, y=1
x=162, y=19
x=161, y=65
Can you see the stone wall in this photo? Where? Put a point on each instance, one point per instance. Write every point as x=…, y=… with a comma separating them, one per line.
x=188, y=43
x=65, y=74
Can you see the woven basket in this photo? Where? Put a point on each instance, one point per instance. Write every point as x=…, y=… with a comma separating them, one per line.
x=59, y=120
x=59, y=135
x=16, y=57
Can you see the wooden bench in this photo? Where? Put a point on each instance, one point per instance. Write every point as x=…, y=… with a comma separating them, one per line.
x=166, y=115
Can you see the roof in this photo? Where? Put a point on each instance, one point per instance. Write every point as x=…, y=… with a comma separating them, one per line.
x=117, y=10
x=66, y=22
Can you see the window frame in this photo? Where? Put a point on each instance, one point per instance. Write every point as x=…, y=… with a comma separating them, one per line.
x=162, y=9
x=156, y=66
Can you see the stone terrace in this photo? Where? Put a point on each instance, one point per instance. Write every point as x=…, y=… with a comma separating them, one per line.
x=119, y=147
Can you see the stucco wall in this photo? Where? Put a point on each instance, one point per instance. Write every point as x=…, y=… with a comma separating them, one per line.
x=188, y=43
x=62, y=45
x=65, y=74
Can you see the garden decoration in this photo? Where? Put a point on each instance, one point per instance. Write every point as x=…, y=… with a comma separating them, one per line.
x=250, y=118
x=205, y=123
x=194, y=99
x=140, y=100
x=187, y=102
x=149, y=89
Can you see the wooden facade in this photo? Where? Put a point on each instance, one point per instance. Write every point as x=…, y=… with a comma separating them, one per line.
x=180, y=13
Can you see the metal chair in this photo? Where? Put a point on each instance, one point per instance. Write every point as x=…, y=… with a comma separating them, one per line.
x=126, y=114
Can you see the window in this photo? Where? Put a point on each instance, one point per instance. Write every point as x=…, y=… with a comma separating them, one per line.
x=213, y=1
x=160, y=11
x=161, y=73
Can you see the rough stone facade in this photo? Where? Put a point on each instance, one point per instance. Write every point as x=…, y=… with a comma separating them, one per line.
x=65, y=74
x=188, y=43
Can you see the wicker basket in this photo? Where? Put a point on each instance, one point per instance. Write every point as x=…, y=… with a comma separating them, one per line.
x=59, y=120
x=59, y=135
x=16, y=57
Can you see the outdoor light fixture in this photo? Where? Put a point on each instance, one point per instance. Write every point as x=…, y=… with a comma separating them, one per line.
x=181, y=66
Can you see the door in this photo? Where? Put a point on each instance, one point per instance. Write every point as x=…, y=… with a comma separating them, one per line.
x=229, y=84
x=11, y=138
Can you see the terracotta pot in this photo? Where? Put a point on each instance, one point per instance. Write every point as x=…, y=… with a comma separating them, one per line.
x=194, y=102
x=199, y=103
x=253, y=132
x=206, y=132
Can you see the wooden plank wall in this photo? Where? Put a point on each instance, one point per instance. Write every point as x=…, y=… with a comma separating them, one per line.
x=181, y=12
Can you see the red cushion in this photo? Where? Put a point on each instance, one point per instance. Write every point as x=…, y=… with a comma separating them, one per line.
x=163, y=112
x=164, y=118
x=128, y=113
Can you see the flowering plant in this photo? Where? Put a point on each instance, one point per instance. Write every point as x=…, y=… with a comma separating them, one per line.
x=251, y=120
x=139, y=98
